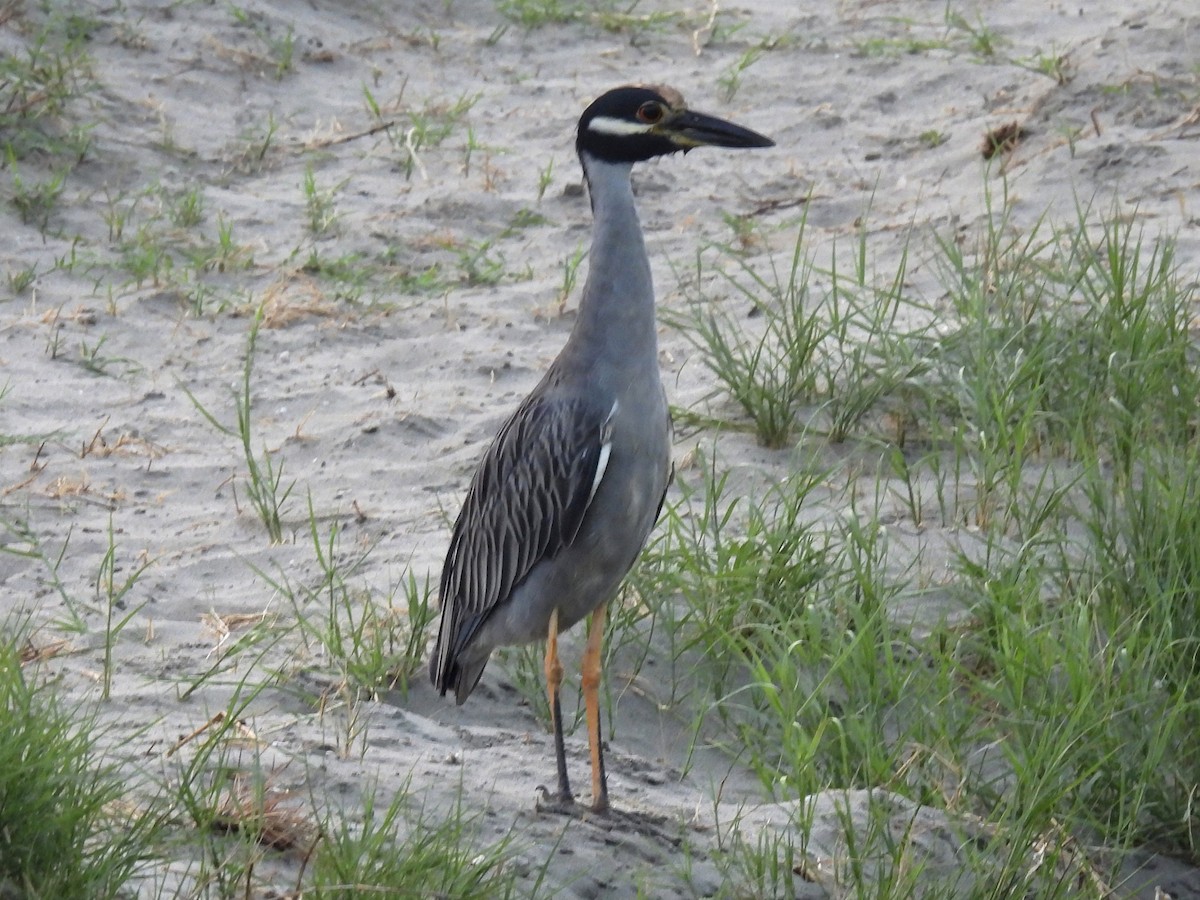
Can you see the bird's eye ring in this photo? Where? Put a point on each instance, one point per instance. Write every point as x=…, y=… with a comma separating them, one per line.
x=651, y=112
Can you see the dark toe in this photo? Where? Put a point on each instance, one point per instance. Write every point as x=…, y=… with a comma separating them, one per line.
x=554, y=803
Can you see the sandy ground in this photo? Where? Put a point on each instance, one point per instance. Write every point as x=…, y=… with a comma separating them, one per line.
x=379, y=404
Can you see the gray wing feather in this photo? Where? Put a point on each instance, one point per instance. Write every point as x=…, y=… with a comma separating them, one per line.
x=525, y=504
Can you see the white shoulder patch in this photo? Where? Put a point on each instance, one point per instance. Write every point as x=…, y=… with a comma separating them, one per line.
x=605, y=450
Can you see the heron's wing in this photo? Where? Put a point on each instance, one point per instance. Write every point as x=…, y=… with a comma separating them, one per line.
x=525, y=504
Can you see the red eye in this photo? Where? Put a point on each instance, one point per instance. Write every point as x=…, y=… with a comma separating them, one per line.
x=651, y=112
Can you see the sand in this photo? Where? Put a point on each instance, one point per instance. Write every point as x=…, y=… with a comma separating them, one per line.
x=378, y=399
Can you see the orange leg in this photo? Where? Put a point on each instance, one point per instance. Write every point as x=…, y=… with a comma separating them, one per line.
x=554, y=676
x=591, y=697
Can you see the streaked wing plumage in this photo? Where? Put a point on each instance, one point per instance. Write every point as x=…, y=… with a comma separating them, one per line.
x=525, y=504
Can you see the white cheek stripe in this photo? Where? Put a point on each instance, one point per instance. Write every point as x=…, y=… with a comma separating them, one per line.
x=609, y=125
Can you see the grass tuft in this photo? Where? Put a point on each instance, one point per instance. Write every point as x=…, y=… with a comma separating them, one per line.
x=40, y=84
x=265, y=488
x=1039, y=675
x=767, y=368
x=66, y=829
x=407, y=848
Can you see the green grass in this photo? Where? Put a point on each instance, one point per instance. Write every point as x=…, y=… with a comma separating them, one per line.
x=264, y=485
x=967, y=576
x=23, y=541
x=165, y=238
x=320, y=204
x=953, y=33
x=371, y=644
x=406, y=848
x=427, y=127
x=769, y=369
x=779, y=349
x=1036, y=672
x=1037, y=676
x=114, y=582
x=35, y=200
x=608, y=15
x=67, y=826
x=41, y=84
x=1050, y=421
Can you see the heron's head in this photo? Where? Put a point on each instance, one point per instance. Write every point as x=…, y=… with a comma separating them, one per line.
x=638, y=122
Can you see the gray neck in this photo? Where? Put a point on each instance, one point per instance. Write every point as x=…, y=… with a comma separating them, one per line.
x=616, y=313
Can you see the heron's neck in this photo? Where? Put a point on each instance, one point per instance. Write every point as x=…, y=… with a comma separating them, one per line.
x=616, y=312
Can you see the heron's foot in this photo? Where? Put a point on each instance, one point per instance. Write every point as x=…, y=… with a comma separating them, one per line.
x=562, y=802
x=566, y=805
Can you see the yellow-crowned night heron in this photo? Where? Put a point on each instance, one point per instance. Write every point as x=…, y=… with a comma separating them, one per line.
x=566, y=495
